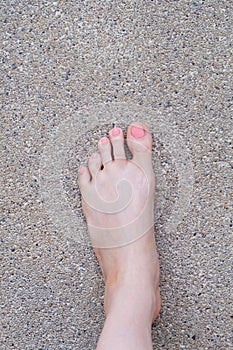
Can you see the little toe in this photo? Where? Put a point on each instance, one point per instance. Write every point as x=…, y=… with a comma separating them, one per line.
x=105, y=150
x=94, y=164
x=84, y=177
x=139, y=140
x=117, y=140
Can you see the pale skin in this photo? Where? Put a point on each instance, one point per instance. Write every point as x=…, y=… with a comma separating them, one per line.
x=130, y=265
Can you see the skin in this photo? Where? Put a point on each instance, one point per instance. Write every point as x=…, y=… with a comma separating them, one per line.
x=123, y=235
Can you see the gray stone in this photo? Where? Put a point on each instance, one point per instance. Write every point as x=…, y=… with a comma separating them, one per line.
x=61, y=61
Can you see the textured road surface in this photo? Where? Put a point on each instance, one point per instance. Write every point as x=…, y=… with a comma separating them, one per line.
x=69, y=69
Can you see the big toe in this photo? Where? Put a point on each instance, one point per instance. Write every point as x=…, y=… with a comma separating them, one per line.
x=139, y=140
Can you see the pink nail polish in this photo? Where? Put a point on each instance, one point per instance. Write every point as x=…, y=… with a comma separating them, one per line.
x=137, y=132
x=81, y=170
x=104, y=140
x=115, y=131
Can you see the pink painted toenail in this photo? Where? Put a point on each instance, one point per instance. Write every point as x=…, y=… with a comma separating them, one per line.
x=137, y=132
x=94, y=155
x=81, y=170
x=104, y=140
x=115, y=131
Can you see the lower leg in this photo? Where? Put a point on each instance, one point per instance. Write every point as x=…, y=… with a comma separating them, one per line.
x=132, y=296
x=128, y=319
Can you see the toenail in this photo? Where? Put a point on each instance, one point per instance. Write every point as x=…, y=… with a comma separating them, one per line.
x=115, y=131
x=104, y=140
x=81, y=170
x=94, y=155
x=137, y=132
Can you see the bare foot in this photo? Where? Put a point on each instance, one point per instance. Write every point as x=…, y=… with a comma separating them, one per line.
x=117, y=201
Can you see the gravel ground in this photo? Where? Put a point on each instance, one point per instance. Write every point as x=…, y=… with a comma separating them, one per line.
x=69, y=69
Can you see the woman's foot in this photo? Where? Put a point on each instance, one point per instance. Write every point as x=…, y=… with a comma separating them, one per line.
x=117, y=201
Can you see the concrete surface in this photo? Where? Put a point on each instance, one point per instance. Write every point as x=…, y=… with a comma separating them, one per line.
x=170, y=58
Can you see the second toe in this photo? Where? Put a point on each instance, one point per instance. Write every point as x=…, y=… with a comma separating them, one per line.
x=117, y=140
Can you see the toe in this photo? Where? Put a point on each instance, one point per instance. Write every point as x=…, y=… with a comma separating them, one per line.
x=117, y=140
x=105, y=150
x=83, y=177
x=139, y=140
x=94, y=164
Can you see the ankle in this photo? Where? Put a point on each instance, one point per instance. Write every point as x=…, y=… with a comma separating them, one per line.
x=136, y=300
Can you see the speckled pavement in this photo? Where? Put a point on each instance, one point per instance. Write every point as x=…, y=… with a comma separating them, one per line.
x=69, y=69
